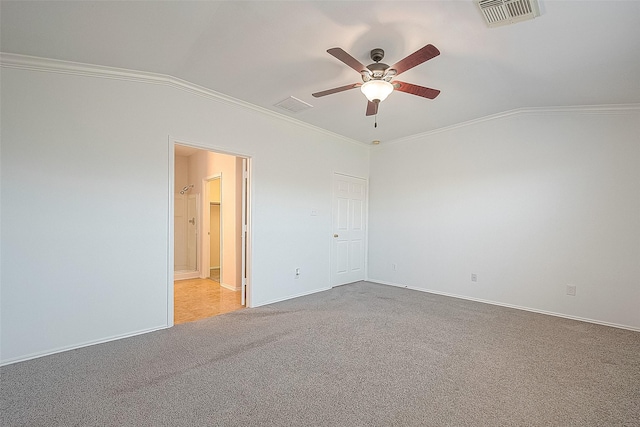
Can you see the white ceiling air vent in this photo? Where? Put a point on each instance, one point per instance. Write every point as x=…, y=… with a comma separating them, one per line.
x=293, y=105
x=504, y=12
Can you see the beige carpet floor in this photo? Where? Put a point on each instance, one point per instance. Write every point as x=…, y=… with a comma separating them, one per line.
x=356, y=355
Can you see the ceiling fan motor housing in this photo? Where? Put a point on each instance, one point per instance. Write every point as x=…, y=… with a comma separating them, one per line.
x=377, y=54
x=377, y=70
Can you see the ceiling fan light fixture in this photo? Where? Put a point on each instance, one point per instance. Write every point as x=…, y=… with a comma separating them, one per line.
x=376, y=90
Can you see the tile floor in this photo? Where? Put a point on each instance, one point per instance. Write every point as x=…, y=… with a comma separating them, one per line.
x=196, y=299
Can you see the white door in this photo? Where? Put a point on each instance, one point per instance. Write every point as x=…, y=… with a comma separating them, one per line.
x=349, y=230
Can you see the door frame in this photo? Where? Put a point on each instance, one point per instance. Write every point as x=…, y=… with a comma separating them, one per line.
x=247, y=249
x=206, y=257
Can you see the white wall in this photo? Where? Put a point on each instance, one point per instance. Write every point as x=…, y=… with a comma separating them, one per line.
x=180, y=226
x=85, y=212
x=529, y=202
x=181, y=172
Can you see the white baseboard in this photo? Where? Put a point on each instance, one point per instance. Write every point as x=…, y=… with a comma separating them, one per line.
x=230, y=287
x=77, y=346
x=517, y=307
x=273, y=301
x=186, y=275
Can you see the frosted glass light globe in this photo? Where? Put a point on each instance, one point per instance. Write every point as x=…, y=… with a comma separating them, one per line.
x=376, y=90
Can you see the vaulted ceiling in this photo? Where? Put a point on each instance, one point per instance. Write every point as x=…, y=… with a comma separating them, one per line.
x=576, y=53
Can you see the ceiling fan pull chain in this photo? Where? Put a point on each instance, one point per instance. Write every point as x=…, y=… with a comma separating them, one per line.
x=375, y=122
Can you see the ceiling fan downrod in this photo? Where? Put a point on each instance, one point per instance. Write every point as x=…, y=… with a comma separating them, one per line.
x=377, y=54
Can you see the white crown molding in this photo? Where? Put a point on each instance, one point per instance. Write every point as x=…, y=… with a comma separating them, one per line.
x=606, y=109
x=34, y=63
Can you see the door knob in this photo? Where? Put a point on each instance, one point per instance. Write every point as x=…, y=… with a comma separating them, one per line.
x=335, y=235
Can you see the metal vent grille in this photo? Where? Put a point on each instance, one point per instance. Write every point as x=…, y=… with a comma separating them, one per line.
x=504, y=12
x=293, y=105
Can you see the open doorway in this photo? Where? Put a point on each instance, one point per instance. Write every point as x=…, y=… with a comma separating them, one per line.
x=213, y=233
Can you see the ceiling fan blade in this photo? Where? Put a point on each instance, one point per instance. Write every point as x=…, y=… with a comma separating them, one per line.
x=347, y=59
x=422, y=91
x=416, y=58
x=372, y=108
x=336, y=90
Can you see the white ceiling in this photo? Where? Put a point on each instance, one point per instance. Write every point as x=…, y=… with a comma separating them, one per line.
x=576, y=53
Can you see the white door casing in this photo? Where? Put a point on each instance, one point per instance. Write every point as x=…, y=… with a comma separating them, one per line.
x=349, y=229
x=243, y=239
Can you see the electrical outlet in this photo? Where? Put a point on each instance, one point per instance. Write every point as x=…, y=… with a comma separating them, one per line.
x=394, y=266
x=474, y=277
x=571, y=290
x=297, y=273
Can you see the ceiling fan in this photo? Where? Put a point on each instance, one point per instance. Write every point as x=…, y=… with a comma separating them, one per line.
x=377, y=81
